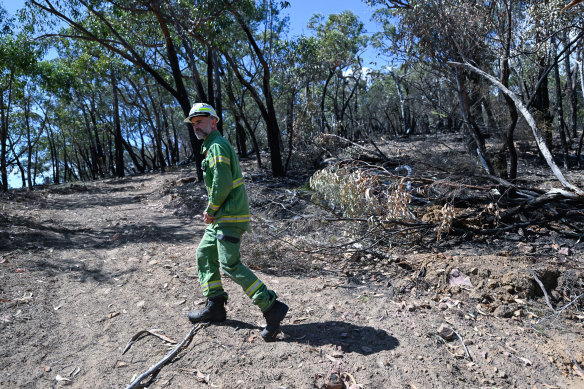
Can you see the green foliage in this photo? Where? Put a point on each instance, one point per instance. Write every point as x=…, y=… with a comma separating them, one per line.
x=340, y=37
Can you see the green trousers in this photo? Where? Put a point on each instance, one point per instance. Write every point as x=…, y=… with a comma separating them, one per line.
x=219, y=248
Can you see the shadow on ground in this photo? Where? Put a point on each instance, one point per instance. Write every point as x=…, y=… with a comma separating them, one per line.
x=27, y=234
x=346, y=336
x=77, y=271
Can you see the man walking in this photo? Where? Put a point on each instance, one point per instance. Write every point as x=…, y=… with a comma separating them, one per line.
x=227, y=216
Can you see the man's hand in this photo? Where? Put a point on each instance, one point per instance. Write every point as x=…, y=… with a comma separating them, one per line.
x=208, y=219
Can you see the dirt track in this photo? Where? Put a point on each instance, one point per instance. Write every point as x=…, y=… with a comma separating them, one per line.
x=85, y=268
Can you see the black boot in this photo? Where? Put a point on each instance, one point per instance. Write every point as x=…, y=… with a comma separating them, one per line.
x=274, y=317
x=214, y=311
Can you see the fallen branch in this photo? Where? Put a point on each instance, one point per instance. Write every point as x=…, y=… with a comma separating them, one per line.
x=379, y=153
x=154, y=369
x=570, y=303
x=547, y=298
x=149, y=332
x=463, y=345
x=545, y=152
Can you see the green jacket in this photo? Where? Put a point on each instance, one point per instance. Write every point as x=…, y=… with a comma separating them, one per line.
x=227, y=196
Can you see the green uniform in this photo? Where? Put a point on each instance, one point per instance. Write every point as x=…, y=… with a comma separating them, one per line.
x=228, y=204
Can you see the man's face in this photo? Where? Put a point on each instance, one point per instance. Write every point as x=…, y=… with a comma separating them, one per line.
x=203, y=126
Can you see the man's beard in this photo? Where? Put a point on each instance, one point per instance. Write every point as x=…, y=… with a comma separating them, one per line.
x=200, y=134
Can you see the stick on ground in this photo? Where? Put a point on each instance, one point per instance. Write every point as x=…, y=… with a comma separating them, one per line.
x=154, y=369
x=547, y=298
x=149, y=332
x=463, y=345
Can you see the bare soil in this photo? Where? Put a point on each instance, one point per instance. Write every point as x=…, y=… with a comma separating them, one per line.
x=85, y=267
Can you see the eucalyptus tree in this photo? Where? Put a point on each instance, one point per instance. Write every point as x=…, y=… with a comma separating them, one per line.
x=436, y=33
x=231, y=28
x=341, y=39
x=137, y=31
x=555, y=38
x=18, y=66
x=518, y=41
x=292, y=70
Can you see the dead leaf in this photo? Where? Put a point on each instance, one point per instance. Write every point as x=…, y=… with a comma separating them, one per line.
x=59, y=378
x=19, y=270
x=112, y=315
x=202, y=377
x=565, y=251
x=180, y=302
x=163, y=337
x=4, y=260
x=115, y=237
x=525, y=361
x=333, y=359
x=121, y=364
x=296, y=321
x=252, y=338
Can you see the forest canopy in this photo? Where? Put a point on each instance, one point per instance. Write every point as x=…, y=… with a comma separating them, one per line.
x=94, y=89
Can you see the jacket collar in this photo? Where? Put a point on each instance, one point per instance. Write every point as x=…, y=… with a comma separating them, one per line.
x=208, y=140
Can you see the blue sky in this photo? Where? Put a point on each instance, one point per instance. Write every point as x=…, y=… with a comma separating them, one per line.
x=300, y=11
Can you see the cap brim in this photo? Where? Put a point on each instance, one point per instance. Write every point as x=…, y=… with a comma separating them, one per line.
x=206, y=114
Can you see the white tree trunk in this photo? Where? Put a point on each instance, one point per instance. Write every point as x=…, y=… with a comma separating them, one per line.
x=529, y=119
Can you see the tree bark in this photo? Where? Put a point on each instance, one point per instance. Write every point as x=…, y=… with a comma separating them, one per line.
x=210, y=79
x=513, y=116
x=4, y=118
x=579, y=153
x=473, y=128
x=218, y=100
x=290, y=126
x=268, y=114
x=272, y=128
x=402, y=104
x=560, y=111
x=324, y=123
x=118, y=139
x=570, y=87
